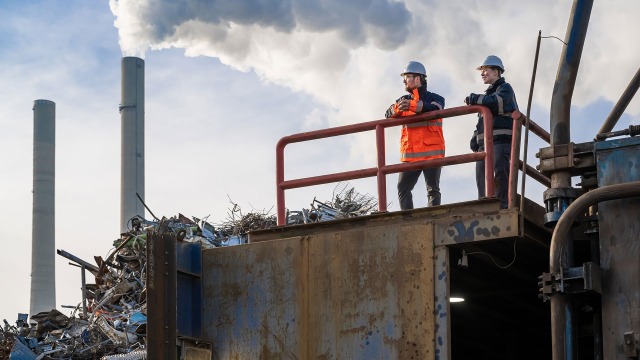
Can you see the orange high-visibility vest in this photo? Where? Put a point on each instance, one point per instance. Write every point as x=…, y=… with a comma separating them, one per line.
x=423, y=140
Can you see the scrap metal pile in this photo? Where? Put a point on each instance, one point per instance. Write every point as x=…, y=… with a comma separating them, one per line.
x=346, y=202
x=111, y=320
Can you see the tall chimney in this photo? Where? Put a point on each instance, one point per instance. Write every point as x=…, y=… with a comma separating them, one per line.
x=43, y=270
x=132, y=140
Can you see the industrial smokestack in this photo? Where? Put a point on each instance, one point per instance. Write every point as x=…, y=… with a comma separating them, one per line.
x=132, y=140
x=43, y=270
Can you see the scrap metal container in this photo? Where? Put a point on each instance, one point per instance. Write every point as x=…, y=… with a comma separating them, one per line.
x=365, y=293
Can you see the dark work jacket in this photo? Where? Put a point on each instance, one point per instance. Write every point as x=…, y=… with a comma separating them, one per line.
x=501, y=100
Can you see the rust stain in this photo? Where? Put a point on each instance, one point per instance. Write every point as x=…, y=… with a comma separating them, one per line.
x=231, y=290
x=354, y=330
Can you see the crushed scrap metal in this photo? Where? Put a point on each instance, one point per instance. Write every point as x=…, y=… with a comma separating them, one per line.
x=110, y=322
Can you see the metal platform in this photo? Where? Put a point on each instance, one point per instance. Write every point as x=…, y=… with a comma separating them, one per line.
x=374, y=287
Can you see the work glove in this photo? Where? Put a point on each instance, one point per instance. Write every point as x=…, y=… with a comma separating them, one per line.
x=391, y=111
x=472, y=99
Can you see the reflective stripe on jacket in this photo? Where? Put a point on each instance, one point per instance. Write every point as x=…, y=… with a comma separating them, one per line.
x=501, y=100
x=423, y=140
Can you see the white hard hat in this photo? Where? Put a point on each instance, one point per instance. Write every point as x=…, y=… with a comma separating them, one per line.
x=492, y=60
x=414, y=67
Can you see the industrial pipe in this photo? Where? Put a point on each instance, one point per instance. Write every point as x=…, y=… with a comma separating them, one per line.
x=561, y=193
x=561, y=322
x=564, y=225
x=568, y=71
x=621, y=105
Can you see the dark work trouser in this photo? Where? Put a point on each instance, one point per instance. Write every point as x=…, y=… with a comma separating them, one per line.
x=408, y=179
x=501, y=167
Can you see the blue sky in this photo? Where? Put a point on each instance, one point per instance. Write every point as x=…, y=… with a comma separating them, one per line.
x=224, y=84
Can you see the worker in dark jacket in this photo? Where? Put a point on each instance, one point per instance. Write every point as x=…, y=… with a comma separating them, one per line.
x=419, y=141
x=501, y=100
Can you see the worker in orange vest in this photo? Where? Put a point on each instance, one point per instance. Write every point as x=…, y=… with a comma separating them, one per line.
x=419, y=141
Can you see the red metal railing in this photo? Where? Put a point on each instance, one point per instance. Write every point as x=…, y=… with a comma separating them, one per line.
x=517, y=164
x=382, y=169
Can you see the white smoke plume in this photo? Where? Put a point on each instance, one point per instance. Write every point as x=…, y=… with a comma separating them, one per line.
x=347, y=55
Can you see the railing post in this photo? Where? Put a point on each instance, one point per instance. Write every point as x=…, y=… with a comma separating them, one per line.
x=382, y=177
x=514, y=161
x=488, y=159
x=280, y=208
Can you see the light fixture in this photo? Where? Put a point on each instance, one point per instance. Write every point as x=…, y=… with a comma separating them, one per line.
x=455, y=299
x=464, y=261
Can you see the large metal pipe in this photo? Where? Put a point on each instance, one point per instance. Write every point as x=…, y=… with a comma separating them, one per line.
x=562, y=316
x=132, y=140
x=621, y=105
x=565, y=82
x=559, y=254
x=567, y=72
x=43, y=270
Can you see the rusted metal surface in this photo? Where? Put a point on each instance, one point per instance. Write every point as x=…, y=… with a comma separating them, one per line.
x=574, y=158
x=365, y=293
x=373, y=294
x=618, y=178
x=378, y=219
x=619, y=225
x=442, y=304
x=477, y=227
x=161, y=296
x=255, y=300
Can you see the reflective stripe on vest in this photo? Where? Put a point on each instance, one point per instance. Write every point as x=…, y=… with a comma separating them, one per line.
x=422, y=154
x=437, y=122
x=412, y=142
x=480, y=137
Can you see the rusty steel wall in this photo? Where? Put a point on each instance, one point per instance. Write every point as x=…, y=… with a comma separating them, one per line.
x=254, y=299
x=618, y=161
x=365, y=293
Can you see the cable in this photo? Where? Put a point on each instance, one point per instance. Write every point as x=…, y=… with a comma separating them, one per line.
x=494, y=261
x=146, y=207
x=555, y=37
